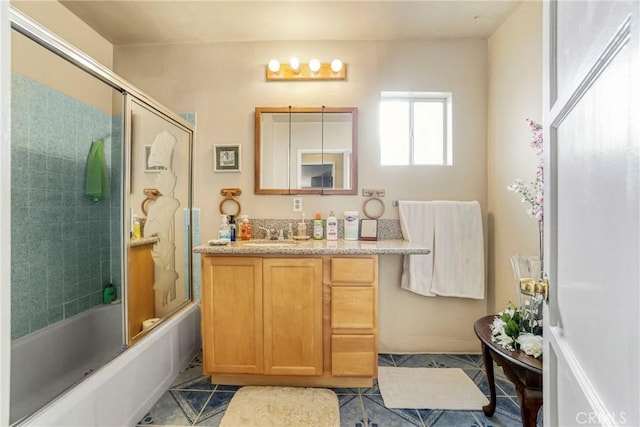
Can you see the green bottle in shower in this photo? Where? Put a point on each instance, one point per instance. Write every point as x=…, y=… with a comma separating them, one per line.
x=108, y=294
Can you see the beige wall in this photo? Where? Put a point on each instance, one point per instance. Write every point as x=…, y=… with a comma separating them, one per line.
x=37, y=63
x=515, y=94
x=224, y=82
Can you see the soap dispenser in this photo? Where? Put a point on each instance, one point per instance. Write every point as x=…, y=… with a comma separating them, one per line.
x=245, y=228
x=302, y=228
x=224, y=231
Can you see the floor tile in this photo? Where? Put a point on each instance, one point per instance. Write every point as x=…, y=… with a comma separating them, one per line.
x=382, y=416
x=166, y=411
x=199, y=383
x=385, y=360
x=351, y=410
x=193, y=400
x=439, y=418
x=216, y=405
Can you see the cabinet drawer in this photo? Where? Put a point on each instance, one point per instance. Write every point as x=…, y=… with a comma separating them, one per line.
x=353, y=270
x=353, y=307
x=353, y=355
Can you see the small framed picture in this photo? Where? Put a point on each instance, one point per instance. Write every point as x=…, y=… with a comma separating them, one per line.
x=226, y=158
x=147, y=168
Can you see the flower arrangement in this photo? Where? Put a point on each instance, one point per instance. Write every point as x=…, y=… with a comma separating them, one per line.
x=520, y=328
x=508, y=331
x=534, y=193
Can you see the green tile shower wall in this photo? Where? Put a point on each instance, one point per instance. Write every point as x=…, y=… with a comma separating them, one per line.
x=63, y=245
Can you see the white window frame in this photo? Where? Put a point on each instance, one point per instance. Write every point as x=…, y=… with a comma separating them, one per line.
x=437, y=97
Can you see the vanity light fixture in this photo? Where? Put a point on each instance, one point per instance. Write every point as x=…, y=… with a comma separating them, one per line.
x=295, y=64
x=314, y=65
x=274, y=65
x=314, y=70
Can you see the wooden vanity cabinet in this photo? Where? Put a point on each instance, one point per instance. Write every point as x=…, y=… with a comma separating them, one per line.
x=262, y=316
x=290, y=320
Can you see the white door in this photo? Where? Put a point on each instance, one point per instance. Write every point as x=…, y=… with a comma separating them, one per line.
x=592, y=215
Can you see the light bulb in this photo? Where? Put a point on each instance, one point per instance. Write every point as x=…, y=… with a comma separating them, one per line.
x=336, y=65
x=295, y=64
x=274, y=65
x=314, y=65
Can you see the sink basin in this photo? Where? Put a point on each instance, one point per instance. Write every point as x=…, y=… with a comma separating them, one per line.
x=268, y=244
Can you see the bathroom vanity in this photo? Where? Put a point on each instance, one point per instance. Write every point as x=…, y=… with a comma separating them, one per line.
x=293, y=313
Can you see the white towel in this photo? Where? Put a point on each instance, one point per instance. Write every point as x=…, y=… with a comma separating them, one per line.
x=456, y=264
x=417, y=223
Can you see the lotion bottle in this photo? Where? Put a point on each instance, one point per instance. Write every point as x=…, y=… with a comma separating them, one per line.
x=332, y=227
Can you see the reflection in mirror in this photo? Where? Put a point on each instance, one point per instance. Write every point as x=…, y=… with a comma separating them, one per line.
x=308, y=150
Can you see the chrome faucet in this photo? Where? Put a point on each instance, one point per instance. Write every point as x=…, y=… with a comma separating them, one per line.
x=268, y=232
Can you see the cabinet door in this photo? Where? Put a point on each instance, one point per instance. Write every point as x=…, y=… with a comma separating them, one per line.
x=292, y=316
x=140, y=296
x=232, y=315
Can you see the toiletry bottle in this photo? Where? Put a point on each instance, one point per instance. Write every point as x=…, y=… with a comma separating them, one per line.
x=351, y=223
x=232, y=226
x=317, y=227
x=136, y=227
x=290, y=232
x=245, y=228
x=224, y=231
x=302, y=228
x=332, y=227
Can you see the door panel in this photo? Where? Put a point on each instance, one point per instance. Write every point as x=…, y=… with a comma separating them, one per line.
x=592, y=213
x=293, y=316
x=232, y=315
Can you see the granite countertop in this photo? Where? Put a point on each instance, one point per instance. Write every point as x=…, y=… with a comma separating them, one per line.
x=315, y=247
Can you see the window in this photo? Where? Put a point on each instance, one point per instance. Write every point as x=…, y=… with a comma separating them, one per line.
x=415, y=128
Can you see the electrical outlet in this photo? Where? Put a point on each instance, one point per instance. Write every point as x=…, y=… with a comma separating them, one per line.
x=373, y=192
x=297, y=204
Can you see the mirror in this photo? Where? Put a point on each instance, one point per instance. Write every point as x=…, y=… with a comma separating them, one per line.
x=306, y=150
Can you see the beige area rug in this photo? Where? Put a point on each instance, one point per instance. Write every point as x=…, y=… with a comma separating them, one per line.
x=282, y=407
x=429, y=388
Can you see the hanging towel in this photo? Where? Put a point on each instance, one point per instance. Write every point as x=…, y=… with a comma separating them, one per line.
x=97, y=173
x=417, y=223
x=456, y=266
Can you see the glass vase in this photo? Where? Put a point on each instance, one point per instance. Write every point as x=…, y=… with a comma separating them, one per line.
x=528, y=269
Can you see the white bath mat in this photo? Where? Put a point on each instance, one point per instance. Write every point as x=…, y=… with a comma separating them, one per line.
x=282, y=407
x=429, y=388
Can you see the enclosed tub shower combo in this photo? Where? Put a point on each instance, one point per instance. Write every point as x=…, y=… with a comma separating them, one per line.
x=92, y=307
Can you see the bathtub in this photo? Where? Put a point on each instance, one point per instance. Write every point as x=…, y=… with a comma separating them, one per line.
x=120, y=386
x=49, y=361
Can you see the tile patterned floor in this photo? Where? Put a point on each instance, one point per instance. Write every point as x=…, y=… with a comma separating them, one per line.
x=193, y=401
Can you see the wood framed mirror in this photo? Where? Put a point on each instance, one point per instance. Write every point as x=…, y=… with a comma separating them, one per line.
x=306, y=150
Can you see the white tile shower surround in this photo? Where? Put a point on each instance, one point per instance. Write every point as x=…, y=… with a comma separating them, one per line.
x=192, y=401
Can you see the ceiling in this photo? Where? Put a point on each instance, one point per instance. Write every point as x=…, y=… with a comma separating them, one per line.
x=161, y=21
